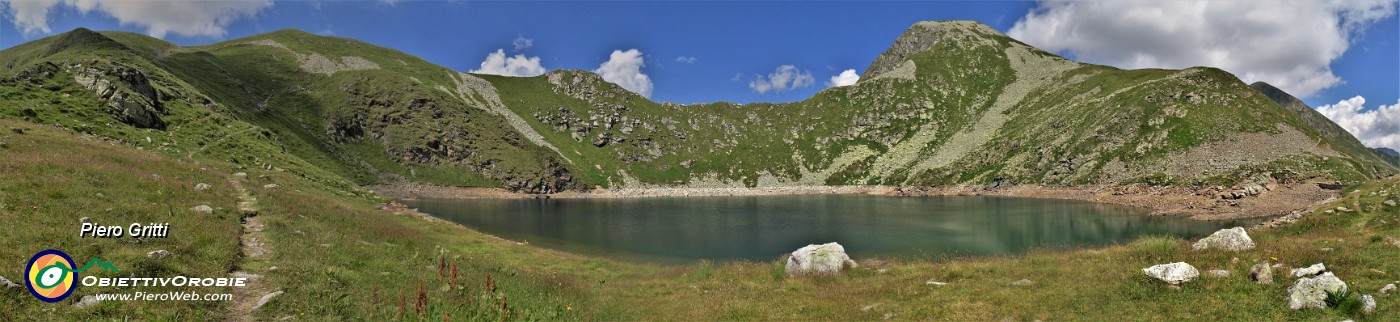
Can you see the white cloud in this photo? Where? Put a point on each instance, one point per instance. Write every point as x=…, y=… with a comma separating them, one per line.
x=782, y=79
x=1375, y=128
x=498, y=63
x=847, y=77
x=186, y=18
x=686, y=59
x=30, y=16
x=624, y=68
x=1290, y=44
x=522, y=43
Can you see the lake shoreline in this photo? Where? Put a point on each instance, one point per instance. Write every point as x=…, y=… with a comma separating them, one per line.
x=1198, y=204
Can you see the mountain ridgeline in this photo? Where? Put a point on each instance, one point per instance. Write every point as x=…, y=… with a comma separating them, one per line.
x=950, y=102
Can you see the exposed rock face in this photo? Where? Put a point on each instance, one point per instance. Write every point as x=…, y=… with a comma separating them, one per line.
x=130, y=98
x=1233, y=239
x=1311, y=292
x=1174, y=273
x=1262, y=273
x=824, y=259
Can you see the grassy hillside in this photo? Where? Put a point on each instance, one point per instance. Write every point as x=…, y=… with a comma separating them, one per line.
x=950, y=103
x=339, y=257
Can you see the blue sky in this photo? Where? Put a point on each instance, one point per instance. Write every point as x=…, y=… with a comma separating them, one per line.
x=736, y=44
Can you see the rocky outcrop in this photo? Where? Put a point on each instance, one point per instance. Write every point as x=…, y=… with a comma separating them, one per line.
x=1233, y=239
x=127, y=92
x=1311, y=292
x=1174, y=273
x=824, y=259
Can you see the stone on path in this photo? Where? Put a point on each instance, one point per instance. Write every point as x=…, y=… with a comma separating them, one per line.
x=265, y=298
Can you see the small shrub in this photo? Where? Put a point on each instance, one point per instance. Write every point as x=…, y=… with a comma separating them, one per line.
x=778, y=269
x=1346, y=301
x=703, y=270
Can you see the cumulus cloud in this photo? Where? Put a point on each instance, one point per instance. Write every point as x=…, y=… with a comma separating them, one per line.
x=847, y=77
x=1375, y=128
x=1290, y=44
x=186, y=18
x=782, y=79
x=624, y=68
x=521, y=43
x=686, y=59
x=498, y=63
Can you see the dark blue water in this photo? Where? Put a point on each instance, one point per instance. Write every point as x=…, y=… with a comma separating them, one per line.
x=677, y=230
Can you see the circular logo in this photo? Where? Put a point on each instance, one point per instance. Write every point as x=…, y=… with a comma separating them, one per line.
x=50, y=275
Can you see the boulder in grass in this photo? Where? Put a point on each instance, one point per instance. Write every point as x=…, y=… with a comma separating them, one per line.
x=203, y=209
x=1262, y=273
x=824, y=259
x=1311, y=292
x=1233, y=239
x=1174, y=273
x=1310, y=270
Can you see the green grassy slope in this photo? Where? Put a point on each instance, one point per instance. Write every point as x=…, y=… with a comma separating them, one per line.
x=340, y=258
x=950, y=102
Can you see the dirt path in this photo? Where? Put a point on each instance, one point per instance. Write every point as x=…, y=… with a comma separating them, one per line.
x=247, y=299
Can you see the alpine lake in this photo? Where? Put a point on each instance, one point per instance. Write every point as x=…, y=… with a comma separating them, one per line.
x=678, y=230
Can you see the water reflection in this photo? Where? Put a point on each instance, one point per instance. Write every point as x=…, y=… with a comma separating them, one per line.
x=763, y=228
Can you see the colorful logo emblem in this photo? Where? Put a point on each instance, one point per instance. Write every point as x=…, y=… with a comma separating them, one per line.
x=51, y=276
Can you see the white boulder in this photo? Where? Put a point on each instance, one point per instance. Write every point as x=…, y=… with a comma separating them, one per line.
x=1311, y=292
x=203, y=209
x=1233, y=239
x=1174, y=273
x=824, y=259
x=1387, y=289
x=1368, y=304
x=1310, y=270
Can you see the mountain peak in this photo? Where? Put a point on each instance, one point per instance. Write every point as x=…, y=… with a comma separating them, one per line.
x=922, y=37
x=82, y=38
